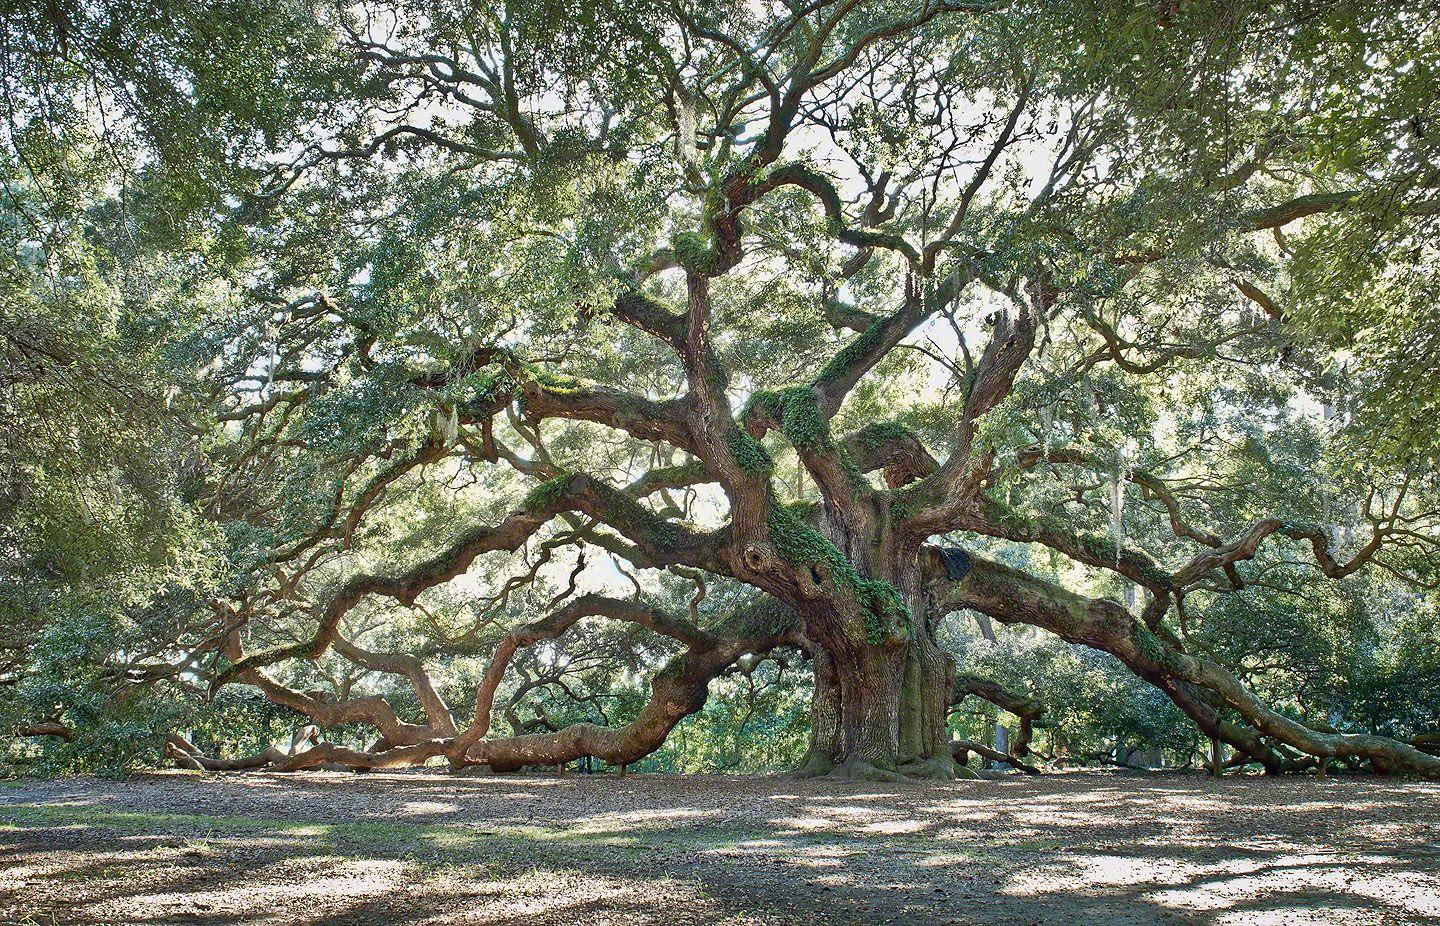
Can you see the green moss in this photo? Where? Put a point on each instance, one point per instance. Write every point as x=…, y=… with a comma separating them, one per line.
x=750, y=455
x=796, y=409
x=623, y=512
x=1099, y=546
x=884, y=609
x=692, y=253
x=684, y=474
x=799, y=543
x=1102, y=548
x=635, y=520
x=906, y=501
x=761, y=402
x=1154, y=649
x=1152, y=574
x=874, y=436
x=711, y=204
x=852, y=469
x=801, y=420
x=556, y=383
x=547, y=494
x=860, y=346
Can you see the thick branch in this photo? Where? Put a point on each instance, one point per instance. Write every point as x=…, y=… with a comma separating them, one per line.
x=1013, y=596
x=662, y=541
x=678, y=690
x=414, y=670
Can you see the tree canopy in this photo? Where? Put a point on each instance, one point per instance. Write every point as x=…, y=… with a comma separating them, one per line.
x=399, y=368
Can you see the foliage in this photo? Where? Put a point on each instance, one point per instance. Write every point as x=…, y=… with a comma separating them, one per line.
x=298, y=299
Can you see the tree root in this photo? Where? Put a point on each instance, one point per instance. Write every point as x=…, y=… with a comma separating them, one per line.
x=935, y=768
x=860, y=770
x=815, y=765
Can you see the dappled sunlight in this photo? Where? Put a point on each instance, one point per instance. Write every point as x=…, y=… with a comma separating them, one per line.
x=1362, y=882
x=650, y=819
x=1375, y=882
x=1083, y=872
x=807, y=824
x=311, y=879
x=427, y=808
x=533, y=849
x=824, y=857
x=890, y=827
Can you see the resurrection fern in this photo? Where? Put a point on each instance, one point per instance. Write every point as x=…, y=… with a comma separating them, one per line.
x=905, y=501
x=692, y=253
x=547, y=494
x=874, y=436
x=749, y=453
x=858, y=347
x=801, y=421
x=555, y=383
x=1155, y=650
x=797, y=542
x=797, y=410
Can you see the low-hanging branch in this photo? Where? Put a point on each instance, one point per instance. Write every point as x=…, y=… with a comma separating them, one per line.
x=677, y=690
x=1012, y=596
x=662, y=541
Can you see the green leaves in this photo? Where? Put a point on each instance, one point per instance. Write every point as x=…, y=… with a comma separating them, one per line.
x=257, y=257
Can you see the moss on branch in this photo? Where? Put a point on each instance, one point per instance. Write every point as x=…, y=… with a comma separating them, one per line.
x=547, y=494
x=874, y=436
x=694, y=254
x=906, y=501
x=796, y=410
x=861, y=346
x=556, y=383
x=881, y=605
x=750, y=455
x=1154, y=649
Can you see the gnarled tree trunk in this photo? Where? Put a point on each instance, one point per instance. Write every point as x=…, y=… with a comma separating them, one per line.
x=881, y=698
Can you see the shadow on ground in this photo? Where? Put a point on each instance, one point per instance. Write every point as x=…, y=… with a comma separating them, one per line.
x=416, y=848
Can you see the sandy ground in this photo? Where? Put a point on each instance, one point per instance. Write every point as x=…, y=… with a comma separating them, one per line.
x=1080, y=848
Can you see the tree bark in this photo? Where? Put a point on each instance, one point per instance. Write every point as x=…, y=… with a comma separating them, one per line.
x=925, y=749
x=880, y=710
x=825, y=739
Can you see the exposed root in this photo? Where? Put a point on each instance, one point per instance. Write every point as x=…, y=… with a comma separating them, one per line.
x=816, y=765
x=935, y=768
x=860, y=770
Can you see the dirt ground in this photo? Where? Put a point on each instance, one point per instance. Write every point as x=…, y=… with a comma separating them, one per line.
x=1080, y=848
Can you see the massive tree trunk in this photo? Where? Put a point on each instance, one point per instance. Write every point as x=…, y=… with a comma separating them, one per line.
x=925, y=702
x=882, y=694
x=825, y=740
x=879, y=711
x=870, y=684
